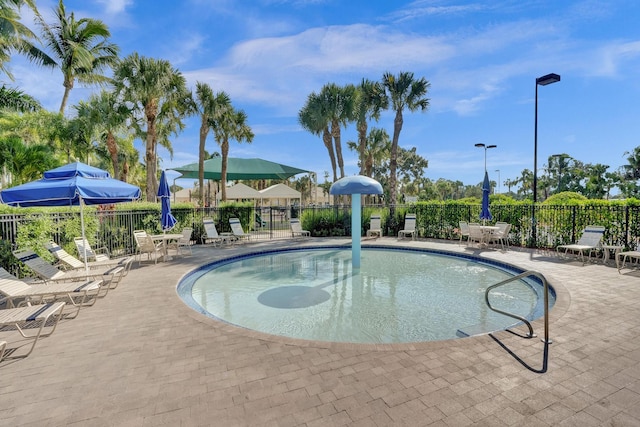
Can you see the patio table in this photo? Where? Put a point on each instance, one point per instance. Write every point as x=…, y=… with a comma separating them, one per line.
x=165, y=239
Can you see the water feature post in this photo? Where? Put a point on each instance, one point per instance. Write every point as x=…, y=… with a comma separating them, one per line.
x=356, y=220
x=355, y=186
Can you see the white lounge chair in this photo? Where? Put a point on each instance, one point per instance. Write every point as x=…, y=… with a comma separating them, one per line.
x=296, y=228
x=409, y=227
x=36, y=317
x=375, y=226
x=77, y=294
x=82, y=245
x=236, y=229
x=69, y=262
x=211, y=233
x=623, y=257
x=590, y=241
x=50, y=273
x=146, y=245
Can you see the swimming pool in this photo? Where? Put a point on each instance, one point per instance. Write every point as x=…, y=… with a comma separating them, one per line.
x=398, y=294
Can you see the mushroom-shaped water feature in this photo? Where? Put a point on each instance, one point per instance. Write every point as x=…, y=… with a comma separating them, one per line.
x=355, y=186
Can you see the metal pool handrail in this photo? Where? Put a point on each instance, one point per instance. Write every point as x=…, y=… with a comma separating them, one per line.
x=518, y=317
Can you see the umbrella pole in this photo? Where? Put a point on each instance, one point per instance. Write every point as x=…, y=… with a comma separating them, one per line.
x=84, y=238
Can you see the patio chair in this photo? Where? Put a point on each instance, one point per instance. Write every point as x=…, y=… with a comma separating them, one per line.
x=476, y=235
x=375, y=226
x=409, y=227
x=590, y=241
x=99, y=254
x=211, y=233
x=34, y=317
x=236, y=229
x=50, y=273
x=77, y=294
x=183, y=244
x=146, y=245
x=296, y=228
x=69, y=262
x=502, y=235
x=463, y=230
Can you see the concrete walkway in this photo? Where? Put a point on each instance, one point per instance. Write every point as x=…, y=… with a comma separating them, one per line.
x=140, y=357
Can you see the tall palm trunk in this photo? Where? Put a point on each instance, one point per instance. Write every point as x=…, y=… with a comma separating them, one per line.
x=112, y=147
x=151, y=158
x=393, y=161
x=362, y=145
x=67, y=90
x=335, y=133
x=326, y=138
x=204, y=130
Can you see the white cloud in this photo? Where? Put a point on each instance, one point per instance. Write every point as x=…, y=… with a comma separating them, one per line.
x=115, y=7
x=610, y=57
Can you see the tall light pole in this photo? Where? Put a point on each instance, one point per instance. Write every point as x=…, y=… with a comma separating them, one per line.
x=486, y=147
x=540, y=81
x=499, y=190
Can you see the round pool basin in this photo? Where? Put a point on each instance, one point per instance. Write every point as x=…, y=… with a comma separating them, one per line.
x=398, y=295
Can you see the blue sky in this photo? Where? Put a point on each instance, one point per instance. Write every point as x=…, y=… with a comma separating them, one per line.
x=481, y=59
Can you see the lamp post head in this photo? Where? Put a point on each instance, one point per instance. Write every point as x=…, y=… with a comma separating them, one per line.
x=486, y=147
x=548, y=79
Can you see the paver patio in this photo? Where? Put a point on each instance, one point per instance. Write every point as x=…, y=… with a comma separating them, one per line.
x=141, y=357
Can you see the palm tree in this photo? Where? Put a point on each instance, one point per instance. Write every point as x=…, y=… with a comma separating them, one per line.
x=159, y=98
x=16, y=36
x=377, y=148
x=404, y=92
x=25, y=162
x=105, y=116
x=370, y=101
x=210, y=107
x=81, y=48
x=313, y=118
x=526, y=181
x=231, y=124
x=16, y=100
x=339, y=109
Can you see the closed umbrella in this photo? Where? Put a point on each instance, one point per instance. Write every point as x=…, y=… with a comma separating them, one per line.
x=167, y=220
x=75, y=184
x=485, y=213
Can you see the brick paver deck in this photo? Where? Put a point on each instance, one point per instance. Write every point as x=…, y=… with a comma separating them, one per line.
x=140, y=357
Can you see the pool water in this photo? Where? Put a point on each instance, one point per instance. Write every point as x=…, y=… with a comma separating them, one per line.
x=397, y=295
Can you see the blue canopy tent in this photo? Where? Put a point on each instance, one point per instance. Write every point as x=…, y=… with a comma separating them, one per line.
x=75, y=184
x=485, y=213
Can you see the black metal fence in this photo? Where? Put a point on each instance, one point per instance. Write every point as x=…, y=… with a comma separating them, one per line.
x=113, y=229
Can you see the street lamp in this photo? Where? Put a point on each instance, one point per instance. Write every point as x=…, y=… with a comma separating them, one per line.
x=499, y=190
x=486, y=147
x=540, y=81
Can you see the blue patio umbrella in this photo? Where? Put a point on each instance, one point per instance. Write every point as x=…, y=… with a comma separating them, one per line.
x=485, y=213
x=75, y=184
x=167, y=220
